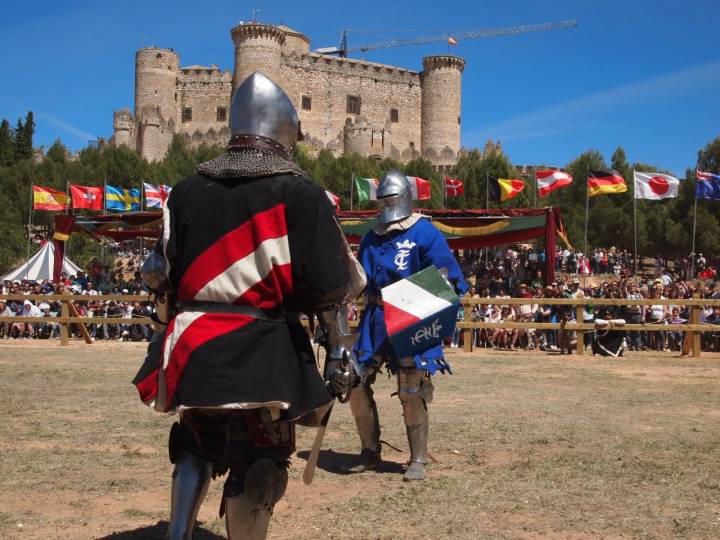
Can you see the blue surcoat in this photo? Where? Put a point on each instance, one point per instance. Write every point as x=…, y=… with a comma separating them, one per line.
x=388, y=258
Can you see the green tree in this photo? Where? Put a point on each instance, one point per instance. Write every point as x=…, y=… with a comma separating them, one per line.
x=20, y=141
x=7, y=144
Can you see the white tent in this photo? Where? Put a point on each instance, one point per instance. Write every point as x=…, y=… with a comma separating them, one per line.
x=40, y=266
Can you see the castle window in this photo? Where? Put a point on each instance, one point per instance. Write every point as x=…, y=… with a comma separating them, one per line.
x=394, y=115
x=221, y=114
x=306, y=103
x=353, y=104
x=187, y=114
x=458, y=120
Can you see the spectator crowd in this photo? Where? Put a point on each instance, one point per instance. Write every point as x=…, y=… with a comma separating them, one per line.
x=494, y=274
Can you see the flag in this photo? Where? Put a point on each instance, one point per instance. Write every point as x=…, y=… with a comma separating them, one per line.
x=334, y=199
x=122, y=200
x=87, y=197
x=504, y=189
x=453, y=188
x=605, y=182
x=45, y=198
x=419, y=187
x=366, y=188
x=156, y=196
x=655, y=186
x=452, y=40
x=548, y=181
x=708, y=186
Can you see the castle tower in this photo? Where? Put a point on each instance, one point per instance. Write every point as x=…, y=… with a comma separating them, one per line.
x=257, y=47
x=440, y=114
x=123, y=127
x=156, y=73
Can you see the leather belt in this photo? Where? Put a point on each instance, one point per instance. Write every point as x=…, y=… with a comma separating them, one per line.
x=270, y=315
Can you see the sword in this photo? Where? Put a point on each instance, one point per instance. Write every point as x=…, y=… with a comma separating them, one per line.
x=311, y=465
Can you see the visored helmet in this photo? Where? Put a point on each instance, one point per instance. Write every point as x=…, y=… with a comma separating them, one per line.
x=262, y=116
x=394, y=197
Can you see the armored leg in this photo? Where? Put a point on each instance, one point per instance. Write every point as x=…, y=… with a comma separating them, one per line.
x=415, y=391
x=191, y=478
x=249, y=501
x=364, y=410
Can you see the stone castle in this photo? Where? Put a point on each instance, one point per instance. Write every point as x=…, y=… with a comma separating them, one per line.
x=344, y=105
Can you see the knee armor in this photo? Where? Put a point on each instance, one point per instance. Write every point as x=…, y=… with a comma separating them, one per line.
x=415, y=390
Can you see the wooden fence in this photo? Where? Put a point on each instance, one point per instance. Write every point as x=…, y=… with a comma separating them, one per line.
x=693, y=327
x=69, y=315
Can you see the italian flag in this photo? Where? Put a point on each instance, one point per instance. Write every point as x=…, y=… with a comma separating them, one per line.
x=416, y=298
x=420, y=188
x=366, y=188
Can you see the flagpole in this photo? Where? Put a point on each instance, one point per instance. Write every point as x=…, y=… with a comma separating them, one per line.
x=67, y=195
x=30, y=220
x=444, y=183
x=352, y=189
x=105, y=196
x=487, y=190
x=142, y=193
x=635, y=271
x=587, y=210
x=692, y=264
x=535, y=192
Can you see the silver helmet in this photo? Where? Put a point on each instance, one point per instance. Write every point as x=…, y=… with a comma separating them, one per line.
x=394, y=197
x=262, y=115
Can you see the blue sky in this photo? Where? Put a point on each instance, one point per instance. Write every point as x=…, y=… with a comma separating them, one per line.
x=644, y=74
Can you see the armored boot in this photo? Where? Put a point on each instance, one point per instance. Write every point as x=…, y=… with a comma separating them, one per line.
x=418, y=440
x=364, y=410
x=249, y=502
x=191, y=479
x=415, y=390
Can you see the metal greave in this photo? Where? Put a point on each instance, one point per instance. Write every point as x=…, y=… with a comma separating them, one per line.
x=191, y=479
x=364, y=410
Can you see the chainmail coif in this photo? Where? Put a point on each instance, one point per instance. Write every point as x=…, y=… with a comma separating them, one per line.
x=248, y=162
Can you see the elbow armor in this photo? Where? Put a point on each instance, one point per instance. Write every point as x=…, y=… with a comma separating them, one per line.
x=153, y=273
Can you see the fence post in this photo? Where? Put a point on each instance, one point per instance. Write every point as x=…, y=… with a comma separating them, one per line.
x=696, y=337
x=64, y=326
x=580, y=318
x=467, y=332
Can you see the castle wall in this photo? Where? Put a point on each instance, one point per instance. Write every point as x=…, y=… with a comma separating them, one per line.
x=204, y=91
x=328, y=81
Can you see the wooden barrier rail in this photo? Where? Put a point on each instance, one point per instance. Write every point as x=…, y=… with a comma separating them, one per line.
x=69, y=315
x=693, y=329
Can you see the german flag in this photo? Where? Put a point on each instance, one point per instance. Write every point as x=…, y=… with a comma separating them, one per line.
x=605, y=183
x=504, y=189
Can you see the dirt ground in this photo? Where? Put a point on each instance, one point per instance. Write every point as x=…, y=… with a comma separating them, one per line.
x=527, y=446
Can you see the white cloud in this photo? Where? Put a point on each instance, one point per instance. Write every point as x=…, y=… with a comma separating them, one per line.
x=574, y=114
x=66, y=127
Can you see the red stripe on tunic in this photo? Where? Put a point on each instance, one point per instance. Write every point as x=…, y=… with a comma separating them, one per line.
x=199, y=332
x=230, y=248
x=148, y=387
x=268, y=293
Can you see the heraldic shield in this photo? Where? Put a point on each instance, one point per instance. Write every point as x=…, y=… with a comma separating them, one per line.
x=420, y=311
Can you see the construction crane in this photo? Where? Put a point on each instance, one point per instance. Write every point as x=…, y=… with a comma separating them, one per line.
x=451, y=38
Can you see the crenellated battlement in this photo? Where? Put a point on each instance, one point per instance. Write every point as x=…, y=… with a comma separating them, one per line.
x=257, y=31
x=443, y=61
x=351, y=67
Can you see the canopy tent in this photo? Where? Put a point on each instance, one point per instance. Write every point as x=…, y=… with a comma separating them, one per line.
x=41, y=266
x=472, y=229
x=464, y=229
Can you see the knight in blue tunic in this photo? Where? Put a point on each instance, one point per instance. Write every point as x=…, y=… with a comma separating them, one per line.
x=401, y=244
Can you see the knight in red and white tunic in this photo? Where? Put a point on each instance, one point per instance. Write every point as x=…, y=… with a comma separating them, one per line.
x=248, y=244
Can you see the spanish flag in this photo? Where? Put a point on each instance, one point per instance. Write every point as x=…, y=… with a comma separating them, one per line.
x=45, y=198
x=504, y=189
x=122, y=200
x=605, y=182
